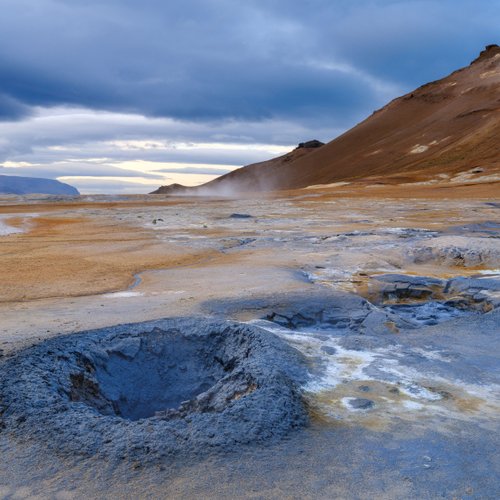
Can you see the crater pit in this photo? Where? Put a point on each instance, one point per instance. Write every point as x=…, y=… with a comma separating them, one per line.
x=153, y=389
x=147, y=377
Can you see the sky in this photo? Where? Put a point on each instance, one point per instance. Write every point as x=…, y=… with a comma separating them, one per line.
x=122, y=96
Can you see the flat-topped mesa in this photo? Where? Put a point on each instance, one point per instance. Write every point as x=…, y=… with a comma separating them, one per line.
x=488, y=52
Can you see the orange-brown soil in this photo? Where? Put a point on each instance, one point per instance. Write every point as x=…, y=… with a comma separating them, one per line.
x=65, y=256
x=69, y=251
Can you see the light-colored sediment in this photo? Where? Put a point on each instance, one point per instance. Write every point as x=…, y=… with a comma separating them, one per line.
x=85, y=264
x=56, y=272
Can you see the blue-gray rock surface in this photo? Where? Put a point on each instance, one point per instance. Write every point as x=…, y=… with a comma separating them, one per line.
x=13, y=184
x=154, y=389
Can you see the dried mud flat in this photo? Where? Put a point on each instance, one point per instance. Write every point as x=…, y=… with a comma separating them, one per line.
x=333, y=345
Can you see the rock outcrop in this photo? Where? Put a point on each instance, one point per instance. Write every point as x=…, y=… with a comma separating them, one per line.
x=172, y=189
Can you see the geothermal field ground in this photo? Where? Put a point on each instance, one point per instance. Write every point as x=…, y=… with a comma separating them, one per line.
x=339, y=342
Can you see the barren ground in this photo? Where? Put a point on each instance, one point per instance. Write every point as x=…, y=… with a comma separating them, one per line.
x=431, y=377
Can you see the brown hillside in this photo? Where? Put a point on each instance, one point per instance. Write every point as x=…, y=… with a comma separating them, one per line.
x=441, y=129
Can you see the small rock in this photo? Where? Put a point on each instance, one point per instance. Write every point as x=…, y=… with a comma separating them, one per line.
x=128, y=348
x=361, y=403
x=419, y=293
x=322, y=338
x=329, y=350
x=364, y=388
x=311, y=144
x=240, y=216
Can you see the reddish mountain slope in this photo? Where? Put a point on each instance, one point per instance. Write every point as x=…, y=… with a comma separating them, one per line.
x=441, y=129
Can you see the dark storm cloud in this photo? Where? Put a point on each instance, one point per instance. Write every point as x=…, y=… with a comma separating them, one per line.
x=413, y=42
x=252, y=59
x=74, y=169
x=224, y=71
x=12, y=109
x=199, y=60
x=242, y=59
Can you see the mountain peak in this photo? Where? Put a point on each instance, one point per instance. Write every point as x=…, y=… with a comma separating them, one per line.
x=488, y=52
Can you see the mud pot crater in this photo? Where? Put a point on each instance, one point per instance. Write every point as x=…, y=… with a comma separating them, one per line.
x=155, y=389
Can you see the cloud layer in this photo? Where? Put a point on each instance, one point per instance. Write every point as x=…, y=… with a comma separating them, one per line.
x=79, y=79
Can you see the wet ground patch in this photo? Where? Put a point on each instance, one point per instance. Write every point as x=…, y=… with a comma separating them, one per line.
x=151, y=390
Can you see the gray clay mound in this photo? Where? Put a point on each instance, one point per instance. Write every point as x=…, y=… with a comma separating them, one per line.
x=155, y=389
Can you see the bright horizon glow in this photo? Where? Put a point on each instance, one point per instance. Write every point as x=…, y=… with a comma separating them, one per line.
x=79, y=146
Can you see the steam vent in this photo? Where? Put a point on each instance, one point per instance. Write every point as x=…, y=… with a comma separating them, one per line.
x=154, y=389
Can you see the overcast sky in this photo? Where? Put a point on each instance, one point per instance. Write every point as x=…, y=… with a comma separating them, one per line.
x=126, y=95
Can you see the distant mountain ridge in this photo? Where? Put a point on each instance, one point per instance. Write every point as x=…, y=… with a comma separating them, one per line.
x=13, y=184
x=171, y=189
x=440, y=130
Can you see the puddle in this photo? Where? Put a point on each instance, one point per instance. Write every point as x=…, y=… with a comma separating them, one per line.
x=129, y=292
x=6, y=229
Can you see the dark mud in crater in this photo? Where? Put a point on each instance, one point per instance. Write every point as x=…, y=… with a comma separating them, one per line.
x=155, y=389
x=151, y=376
